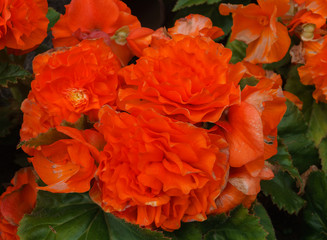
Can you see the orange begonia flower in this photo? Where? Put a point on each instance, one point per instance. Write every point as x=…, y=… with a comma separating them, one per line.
x=256, y=25
x=314, y=72
x=89, y=19
x=157, y=172
x=23, y=23
x=306, y=24
x=253, y=70
x=73, y=81
x=17, y=200
x=68, y=165
x=188, y=78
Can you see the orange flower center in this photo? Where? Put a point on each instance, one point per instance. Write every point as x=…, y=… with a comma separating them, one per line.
x=263, y=20
x=77, y=97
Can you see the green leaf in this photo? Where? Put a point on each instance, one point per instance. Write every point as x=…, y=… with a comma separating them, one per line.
x=280, y=188
x=82, y=123
x=75, y=217
x=251, y=81
x=10, y=73
x=323, y=154
x=265, y=221
x=292, y=130
x=304, y=93
x=284, y=161
x=241, y=226
x=318, y=124
x=315, y=214
x=53, y=17
x=281, y=67
x=238, y=48
x=188, y=231
x=189, y=3
x=47, y=138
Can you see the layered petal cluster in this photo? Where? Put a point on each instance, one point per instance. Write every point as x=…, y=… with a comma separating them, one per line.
x=68, y=165
x=88, y=19
x=17, y=200
x=196, y=25
x=314, y=72
x=73, y=81
x=192, y=25
x=251, y=132
x=306, y=24
x=157, y=172
x=188, y=78
x=23, y=23
x=256, y=25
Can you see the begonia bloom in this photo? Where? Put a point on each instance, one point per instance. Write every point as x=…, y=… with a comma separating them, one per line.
x=188, y=78
x=87, y=19
x=17, y=200
x=23, y=23
x=306, y=24
x=156, y=172
x=73, y=81
x=256, y=25
x=68, y=165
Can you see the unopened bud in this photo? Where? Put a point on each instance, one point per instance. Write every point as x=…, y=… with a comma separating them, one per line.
x=309, y=27
x=307, y=36
x=120, y=35
x=308, y=31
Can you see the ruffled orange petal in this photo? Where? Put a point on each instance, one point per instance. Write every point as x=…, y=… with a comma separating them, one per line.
x=269, y=47
x=246, y=27
x=317, y=6
x=66, y=165
x=244, y=182
x=268, y=6
x=94, y=14
x=20, y=32
x=19, y=202
x=139, y=39
x=267, y=97
x=19, y=198
x=244, y=134
x=228, y=199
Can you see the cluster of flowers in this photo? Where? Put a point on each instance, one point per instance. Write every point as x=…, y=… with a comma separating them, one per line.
x=269, y=39
x=172, y=137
